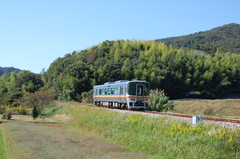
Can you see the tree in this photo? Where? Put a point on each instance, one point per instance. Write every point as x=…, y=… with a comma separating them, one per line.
x=34, y=112
x=39, y=99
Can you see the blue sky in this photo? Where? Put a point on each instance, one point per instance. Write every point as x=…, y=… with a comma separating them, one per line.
x=34, y=33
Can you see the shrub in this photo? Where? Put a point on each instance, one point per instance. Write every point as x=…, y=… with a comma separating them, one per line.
x=87, y=97
x=208, y=111
x=7, y=114
x=20, y=110
x=34, y=112
x=159, y=101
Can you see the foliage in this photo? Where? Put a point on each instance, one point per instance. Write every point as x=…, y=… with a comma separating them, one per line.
x=19, y=110
x=178, y=72
x=159, y=101
x=39, y=99
x=7, y=114
x=169, y=138
x=225, y=38
x=14, y=85
x=34, y=112
x=87, y=97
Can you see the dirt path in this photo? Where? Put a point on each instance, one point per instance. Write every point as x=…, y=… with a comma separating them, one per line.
x=50, y=140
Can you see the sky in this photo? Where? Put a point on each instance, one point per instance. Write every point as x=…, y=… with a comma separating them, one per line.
x=34, y=33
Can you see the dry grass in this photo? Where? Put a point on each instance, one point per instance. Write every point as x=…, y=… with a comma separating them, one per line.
x=43, y=140
x=224, y=107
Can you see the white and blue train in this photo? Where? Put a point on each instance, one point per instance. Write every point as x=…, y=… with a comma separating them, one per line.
x=122, y=94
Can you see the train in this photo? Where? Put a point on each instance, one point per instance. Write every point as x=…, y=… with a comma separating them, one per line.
x=122, y=94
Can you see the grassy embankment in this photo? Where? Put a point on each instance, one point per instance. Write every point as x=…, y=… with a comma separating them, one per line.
x=218, y=108
x=2, y=152
x=161, y=137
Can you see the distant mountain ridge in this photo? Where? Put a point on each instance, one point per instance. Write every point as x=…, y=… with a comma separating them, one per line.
x=225, y=38
x=6, y=70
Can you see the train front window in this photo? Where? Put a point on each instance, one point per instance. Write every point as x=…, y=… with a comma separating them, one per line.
x=138, y=89
x=146, y=89
x=132, y=88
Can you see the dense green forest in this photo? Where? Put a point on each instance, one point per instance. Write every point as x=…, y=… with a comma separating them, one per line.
x=15, y=85
x=180, y=72
x=225, y=38
x=7, y=70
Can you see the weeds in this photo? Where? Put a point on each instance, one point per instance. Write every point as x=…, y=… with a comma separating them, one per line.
x=2, y=152
x=159, y=101
x=157, y=137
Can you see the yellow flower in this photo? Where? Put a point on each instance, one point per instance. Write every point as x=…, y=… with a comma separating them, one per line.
x=171, y=134
x=179, y=133
x=179, y=126
x=231, y=140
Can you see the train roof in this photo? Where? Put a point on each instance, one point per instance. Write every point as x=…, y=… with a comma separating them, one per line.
x=121, y=82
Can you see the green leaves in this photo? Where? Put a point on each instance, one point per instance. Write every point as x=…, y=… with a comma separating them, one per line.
x=159, y=101
x=177, y=71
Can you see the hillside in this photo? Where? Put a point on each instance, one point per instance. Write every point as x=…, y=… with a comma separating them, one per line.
x=6, y=70
x=225, y=38
x=180, y=72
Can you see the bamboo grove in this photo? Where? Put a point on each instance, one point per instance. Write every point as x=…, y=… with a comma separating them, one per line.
x=179, y=72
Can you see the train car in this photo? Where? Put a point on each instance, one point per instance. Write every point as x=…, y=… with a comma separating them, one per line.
x=122, y=94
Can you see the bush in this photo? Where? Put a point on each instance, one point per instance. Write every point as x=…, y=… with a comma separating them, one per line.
x=208, y=111
x=87, y=97
x=159, y=101
x=7, y=114
x=34, y=112
x=20, y=110
x=2, y=109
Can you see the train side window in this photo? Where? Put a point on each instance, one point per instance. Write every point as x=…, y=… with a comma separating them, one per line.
x=109, y=91
x=100, y=91
x=106, y=91
x=112, y=91
x=103, y=91
x=121, y=90
x=116, y=91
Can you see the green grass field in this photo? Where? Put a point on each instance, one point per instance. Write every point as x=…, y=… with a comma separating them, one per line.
x=2, y=152
x=161, y=137
x=98, y=131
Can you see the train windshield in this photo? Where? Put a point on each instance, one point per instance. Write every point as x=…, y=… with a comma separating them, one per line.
x=139, y=89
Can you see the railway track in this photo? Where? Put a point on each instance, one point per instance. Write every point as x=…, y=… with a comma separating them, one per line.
x=236, y=122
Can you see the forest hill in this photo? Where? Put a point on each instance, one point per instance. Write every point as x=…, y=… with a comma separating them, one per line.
x=179, y=72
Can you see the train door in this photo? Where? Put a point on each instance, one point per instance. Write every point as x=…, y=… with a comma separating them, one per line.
x=140, y=92
x=121, y=97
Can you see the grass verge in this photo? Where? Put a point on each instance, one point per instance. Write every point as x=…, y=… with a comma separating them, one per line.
x=2, y=152
x=160, y=137
x=217, y=108
x=44, y=139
